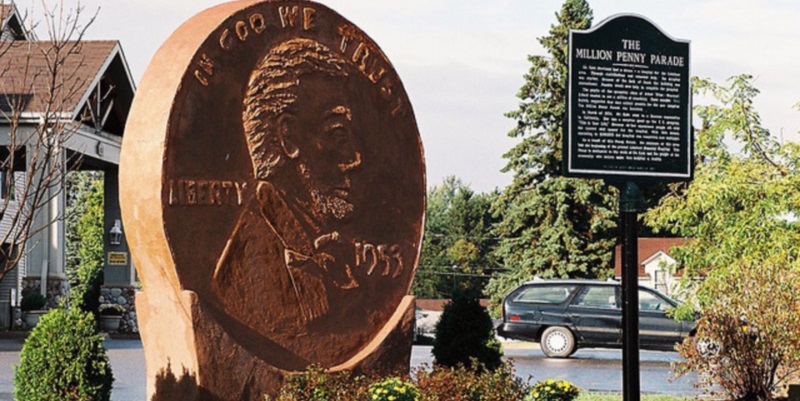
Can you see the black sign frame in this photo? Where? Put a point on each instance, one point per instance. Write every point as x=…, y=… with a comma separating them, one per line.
x=626, y=56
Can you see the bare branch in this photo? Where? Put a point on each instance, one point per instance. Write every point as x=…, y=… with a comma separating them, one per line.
x=38, y=79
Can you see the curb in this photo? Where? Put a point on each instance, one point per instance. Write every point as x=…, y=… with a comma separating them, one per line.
x=519, y=345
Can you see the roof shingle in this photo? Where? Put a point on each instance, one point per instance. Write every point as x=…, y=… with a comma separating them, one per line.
x=25, y=66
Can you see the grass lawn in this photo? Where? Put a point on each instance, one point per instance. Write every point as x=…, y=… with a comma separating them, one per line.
x=586, y=396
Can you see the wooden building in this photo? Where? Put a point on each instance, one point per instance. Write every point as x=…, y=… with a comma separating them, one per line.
x=84, y=87
x=656, y=268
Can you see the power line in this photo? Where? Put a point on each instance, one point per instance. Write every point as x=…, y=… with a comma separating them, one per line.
x=451, y=274
x=469, y=237
x=443, y=267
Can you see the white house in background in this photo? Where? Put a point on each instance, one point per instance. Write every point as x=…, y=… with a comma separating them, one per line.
x=656, y=268
x=96, y=109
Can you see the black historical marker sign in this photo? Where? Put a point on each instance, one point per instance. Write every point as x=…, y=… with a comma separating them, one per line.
x=629, y=108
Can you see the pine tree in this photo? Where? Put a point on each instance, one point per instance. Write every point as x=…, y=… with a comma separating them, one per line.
x=551, y=226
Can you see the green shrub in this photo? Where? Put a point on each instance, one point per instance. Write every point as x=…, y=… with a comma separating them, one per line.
x=88, y=276
x=464, y=332
x=33, y=301
x=469, y=384
x=63, y=359
x=318, y=385
x=553, y=390
x=439, y=383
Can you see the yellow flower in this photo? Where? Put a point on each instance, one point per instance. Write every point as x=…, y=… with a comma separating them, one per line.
x=391, y=398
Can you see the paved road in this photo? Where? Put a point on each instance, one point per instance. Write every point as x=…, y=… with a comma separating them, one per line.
x=9, y=356
x=598, y=370
x=601, y=370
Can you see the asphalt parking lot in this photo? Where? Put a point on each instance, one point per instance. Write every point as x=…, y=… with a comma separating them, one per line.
x=594, y=370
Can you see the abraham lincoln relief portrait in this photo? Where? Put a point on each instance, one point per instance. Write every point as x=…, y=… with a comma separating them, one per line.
x=298, y=126
x=279, y=203
x=294, y=189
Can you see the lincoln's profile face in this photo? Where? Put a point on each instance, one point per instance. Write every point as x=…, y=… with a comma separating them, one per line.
x=317, y=141
x=299, y=127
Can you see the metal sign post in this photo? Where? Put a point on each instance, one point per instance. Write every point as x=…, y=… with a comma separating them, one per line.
x=630, y=204
x=628, y=123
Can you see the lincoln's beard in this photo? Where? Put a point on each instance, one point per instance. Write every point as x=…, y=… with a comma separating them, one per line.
x=326, y=206
x=324, y=203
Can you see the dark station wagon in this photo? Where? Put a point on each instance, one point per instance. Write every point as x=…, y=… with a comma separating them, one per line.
x=564, y=315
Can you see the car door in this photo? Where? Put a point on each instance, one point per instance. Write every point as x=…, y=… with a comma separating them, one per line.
x=532, y=307
x=596, y=315
x=656, y=329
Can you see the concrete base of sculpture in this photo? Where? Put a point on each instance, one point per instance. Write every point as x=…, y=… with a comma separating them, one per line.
x=194, y=358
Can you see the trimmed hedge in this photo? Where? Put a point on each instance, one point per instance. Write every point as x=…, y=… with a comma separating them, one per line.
x=63, y=359
x=465, y=334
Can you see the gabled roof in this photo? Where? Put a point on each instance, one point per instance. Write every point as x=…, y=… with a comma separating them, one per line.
x=648, y=247
x=11, y=23
x=660, y=255
x=24, y=76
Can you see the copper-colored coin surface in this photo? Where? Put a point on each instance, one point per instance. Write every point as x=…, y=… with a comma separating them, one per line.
x=293, y=183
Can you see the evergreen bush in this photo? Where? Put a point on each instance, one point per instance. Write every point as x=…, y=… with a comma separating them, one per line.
x=33, y=301
x=63, y=359
x=464, y=334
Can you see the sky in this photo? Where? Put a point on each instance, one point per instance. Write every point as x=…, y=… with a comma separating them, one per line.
x=462, y=61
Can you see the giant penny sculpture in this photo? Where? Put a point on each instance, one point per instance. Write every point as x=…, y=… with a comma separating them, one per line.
x=273, y=195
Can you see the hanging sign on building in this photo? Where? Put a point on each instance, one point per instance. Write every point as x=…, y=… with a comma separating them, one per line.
x=629, y=103
x=118, y=258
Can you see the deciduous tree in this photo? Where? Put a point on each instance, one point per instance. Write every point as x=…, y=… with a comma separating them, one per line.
x=741, y=269
x=457, y=248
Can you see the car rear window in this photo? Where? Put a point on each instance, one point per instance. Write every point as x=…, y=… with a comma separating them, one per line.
x=550, y=294
x=597, y=297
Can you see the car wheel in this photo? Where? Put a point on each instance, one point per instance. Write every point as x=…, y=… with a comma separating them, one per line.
x=557, y=342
